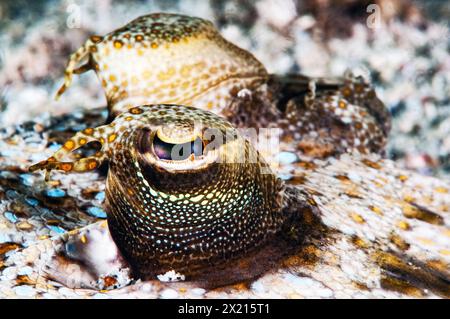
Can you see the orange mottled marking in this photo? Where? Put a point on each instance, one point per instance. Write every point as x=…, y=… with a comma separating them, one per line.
x=342, y=105
x=444, y=252
x=96, y=38
x=88, y=131
x=441, y=190
x=347, y=92
x=371, y=164
x=92, y=164
x=69, y=145
x=112, y=137
x=357, y=218
x=66, y=166
x=376, y=210
x=403, y=225
x=135, y=110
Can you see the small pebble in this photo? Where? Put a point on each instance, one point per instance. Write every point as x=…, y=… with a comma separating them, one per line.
x=258, y=287
x=325, y=293
x=354, y=177
x=32, y=201
x=54, y=147
x=299, y=282
x=56, y=229
x=285, y=177
x=60, y=127
x=198, y=291
x=27, y=179
x=78, y=127
x=24, y=226
x=77, y=115
x=49, y=296
x=12, y=194
x=67, y=292
x=27, y=270
x=7, y=174
x=25, y=291
x=11, y=217
x=55, y=192
x=100, y=196
x=169, y=294
x=286, y=158
x=9, y=153
x=96, y=212
x=4, y=238
x=147, y=287
x=9, y=273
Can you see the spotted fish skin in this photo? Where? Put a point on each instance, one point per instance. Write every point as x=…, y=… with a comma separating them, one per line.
x=187, y=214
x=170, y=58
x=319, y=117
x=167, y=58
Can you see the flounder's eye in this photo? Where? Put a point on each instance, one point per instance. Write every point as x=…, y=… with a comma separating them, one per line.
x=177, y=152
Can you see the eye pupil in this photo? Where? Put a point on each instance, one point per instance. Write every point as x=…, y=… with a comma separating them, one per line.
x=162, y=149
x=177, y=152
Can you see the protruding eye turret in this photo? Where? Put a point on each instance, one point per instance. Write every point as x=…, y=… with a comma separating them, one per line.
x=177, y=152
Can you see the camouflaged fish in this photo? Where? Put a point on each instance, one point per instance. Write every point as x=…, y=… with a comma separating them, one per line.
x=189, y=197
x=175, y=59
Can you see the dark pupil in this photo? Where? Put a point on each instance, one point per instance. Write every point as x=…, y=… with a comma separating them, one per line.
x=177, y=152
